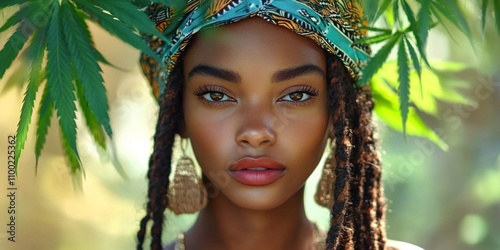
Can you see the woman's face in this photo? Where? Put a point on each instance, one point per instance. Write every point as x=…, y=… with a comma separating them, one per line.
x=255, y=110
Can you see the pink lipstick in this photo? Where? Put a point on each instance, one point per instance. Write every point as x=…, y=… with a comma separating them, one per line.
x=256, y=171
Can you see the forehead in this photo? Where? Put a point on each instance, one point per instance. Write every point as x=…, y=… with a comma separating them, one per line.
x=252, y=39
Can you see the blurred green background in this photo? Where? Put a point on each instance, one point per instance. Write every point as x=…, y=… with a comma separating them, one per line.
x=436, y=199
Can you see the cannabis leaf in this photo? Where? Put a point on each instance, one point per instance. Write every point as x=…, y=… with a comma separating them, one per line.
x=72, y=74
x=408, y=34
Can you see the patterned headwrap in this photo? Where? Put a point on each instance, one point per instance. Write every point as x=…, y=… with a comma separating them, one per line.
x=332, y=24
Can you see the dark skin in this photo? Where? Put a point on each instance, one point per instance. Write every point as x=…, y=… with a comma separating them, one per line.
x=254, y=89
x=270, y=100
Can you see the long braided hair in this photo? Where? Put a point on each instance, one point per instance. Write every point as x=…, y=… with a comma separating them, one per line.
x=357, y=215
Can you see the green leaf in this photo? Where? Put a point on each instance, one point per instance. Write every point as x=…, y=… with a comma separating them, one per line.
x=117, y=28
x=409, y=12
x=378, y=60
x=12, y=48
x=16, y=18
x=442, y=22
x=43, y=124
x=36, y=51
x=382, y=8
x=7, y=3
x=484, y=10
x=71, y=155
x=100, y=57
x=395, y=10
x=370, y=10
x=129, y=14
x=497, y=14
x=424, y=102
x=59, y=80
x=24, y=120
x=421, y=32
x=81, y=15
x=416, y=62
x=389, y=17
x=420, y=29
x=373, y=39
x=435, y=88
x=415, y=126
x=118, y=166
x=165, y=2
x=141, y=3
x=404, y=83
x=385, y=34
x=92, y=122
x=74, y=163
x=144, y=3
x=453, y=13
x=414, y=57
x=30, y=15
x=85, y=65
x=460, y=17
x=387, y=109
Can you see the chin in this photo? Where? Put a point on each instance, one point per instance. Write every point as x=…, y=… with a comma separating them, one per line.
x=258, y=205
x=260, y=198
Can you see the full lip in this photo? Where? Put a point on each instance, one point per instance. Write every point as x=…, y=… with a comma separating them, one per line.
x=256, y=171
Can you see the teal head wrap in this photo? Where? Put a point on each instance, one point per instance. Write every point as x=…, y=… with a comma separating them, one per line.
x=333, y=25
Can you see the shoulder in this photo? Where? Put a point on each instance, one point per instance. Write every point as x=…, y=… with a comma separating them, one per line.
x=400, y=245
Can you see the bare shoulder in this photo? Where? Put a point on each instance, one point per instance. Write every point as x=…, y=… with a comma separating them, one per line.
x=400, y=245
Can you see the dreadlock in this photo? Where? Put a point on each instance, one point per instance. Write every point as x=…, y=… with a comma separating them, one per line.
x=358, y=210
x=357, y=215
x=160, y=161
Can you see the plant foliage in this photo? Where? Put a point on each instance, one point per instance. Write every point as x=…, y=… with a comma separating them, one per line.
x=71, y=73
x=52, y=39
x=405, y=29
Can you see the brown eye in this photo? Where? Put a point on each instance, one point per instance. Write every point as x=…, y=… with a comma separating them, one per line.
x=299, y=96
x=213, y=95
x=296, y=96
x=216, y=96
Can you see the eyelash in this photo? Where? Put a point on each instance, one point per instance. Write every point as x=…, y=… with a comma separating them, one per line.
x=205, y=89
x=308, y=90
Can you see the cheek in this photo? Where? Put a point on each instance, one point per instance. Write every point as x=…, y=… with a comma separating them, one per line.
x=210, y=135
x=304, y=138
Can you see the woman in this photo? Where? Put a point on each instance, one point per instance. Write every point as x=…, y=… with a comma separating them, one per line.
x=261, y=89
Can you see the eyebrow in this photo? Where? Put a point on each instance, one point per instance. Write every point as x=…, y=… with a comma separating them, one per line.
x=231, y=76
x=288, y=74
x=206, y=70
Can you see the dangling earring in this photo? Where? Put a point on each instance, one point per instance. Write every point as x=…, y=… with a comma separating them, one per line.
x=186, y=193
x=324, y=192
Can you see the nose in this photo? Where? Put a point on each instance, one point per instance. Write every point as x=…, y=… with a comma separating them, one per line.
x=256, y=129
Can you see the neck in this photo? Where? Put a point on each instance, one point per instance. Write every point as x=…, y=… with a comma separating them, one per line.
x=224, y=225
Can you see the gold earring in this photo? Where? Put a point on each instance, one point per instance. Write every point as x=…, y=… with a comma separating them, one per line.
x=324, y=192
x=186, y=192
